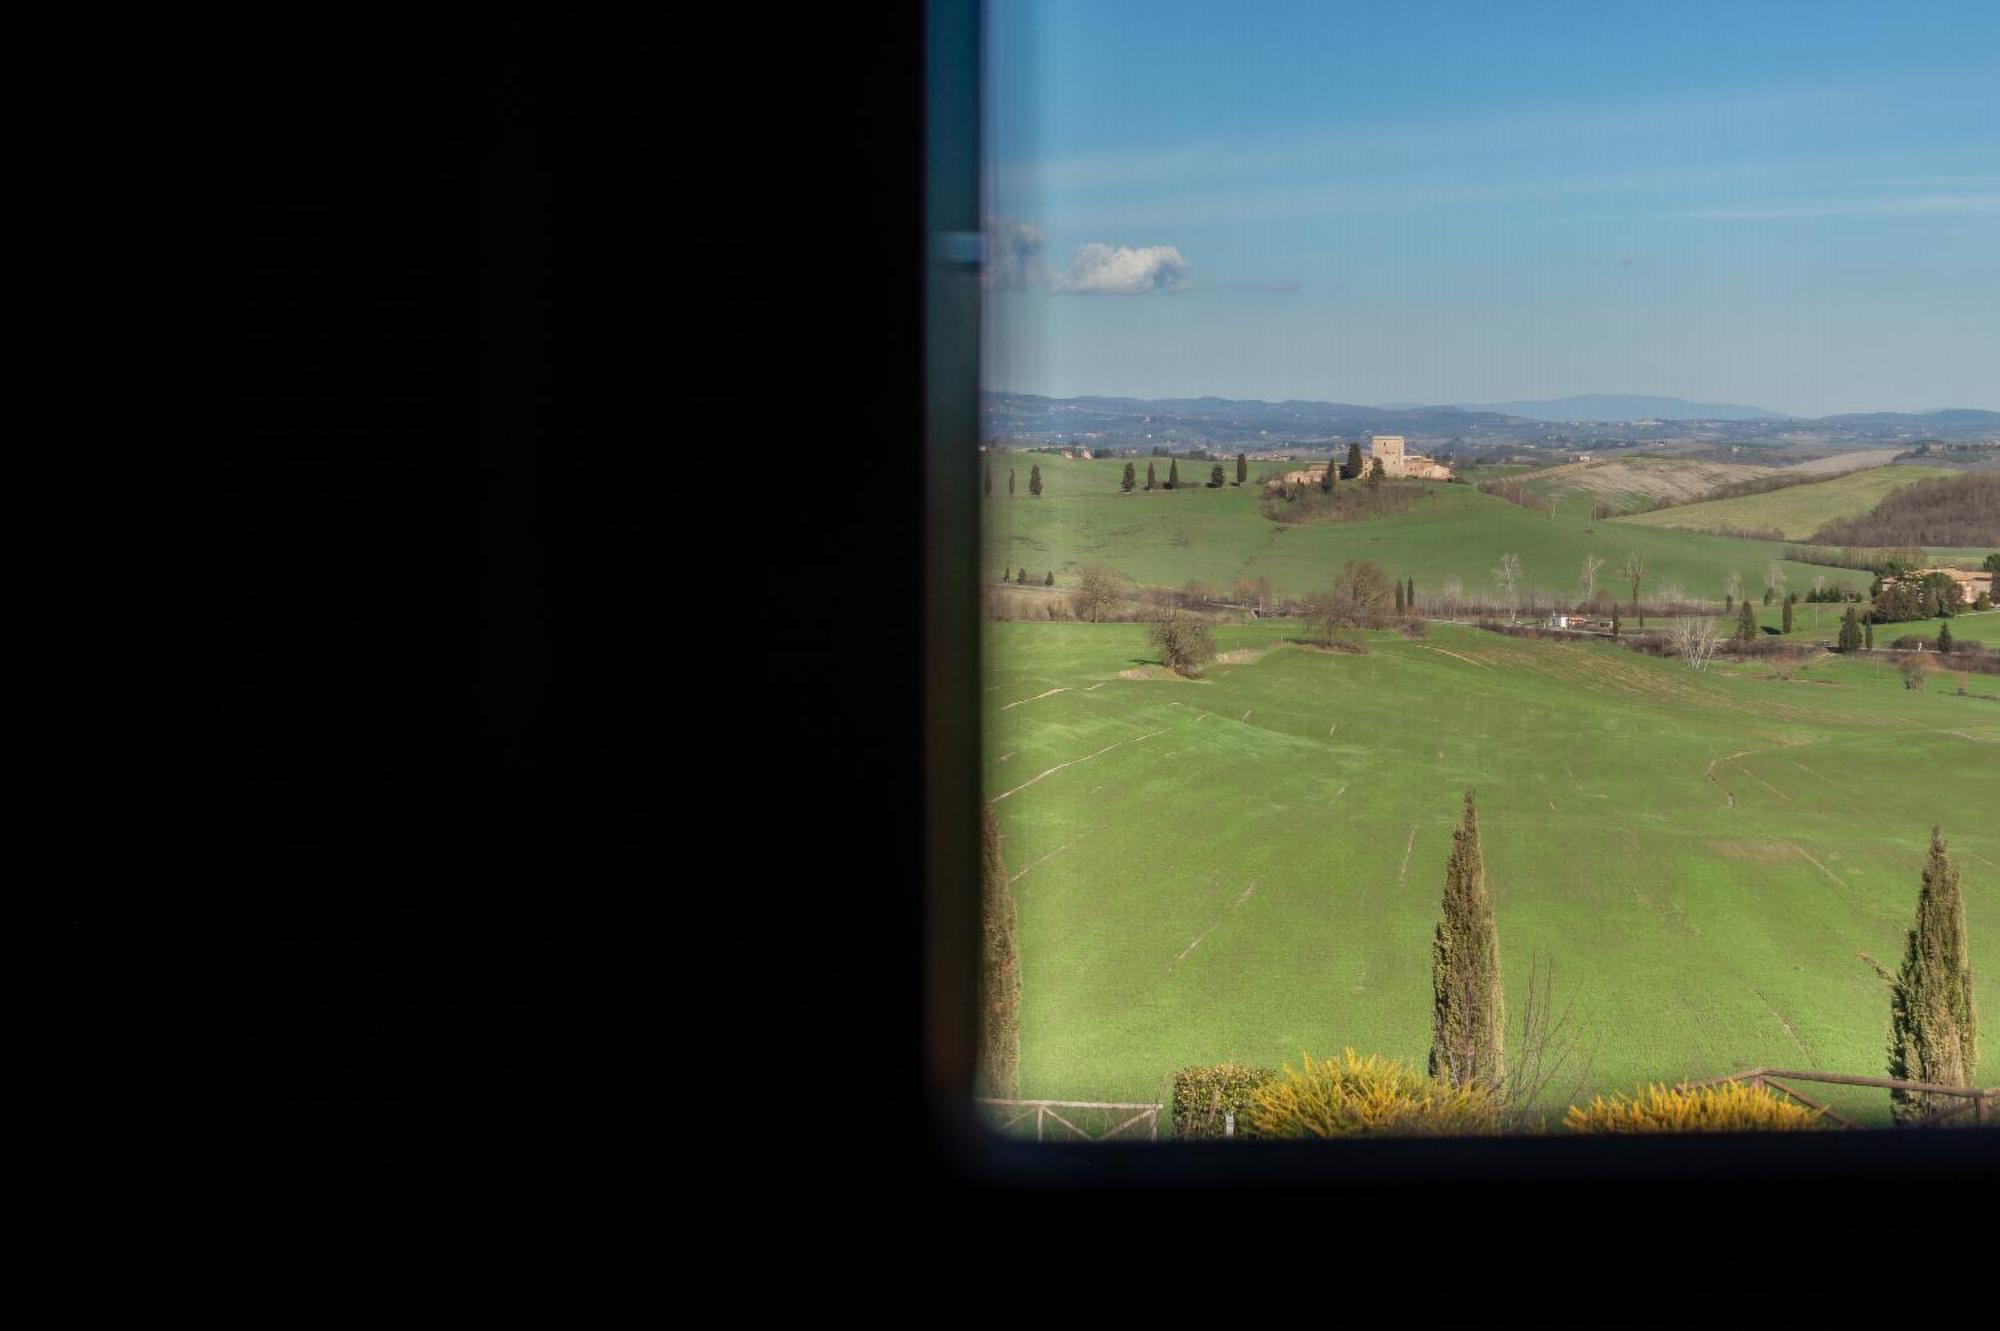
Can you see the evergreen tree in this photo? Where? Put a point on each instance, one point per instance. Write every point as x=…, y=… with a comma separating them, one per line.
x=999, y=973
x=1375, y=474
x=1850, y=630
x=1768, y=593
x=1788, y=616
x=1466, y=1009
x=1022, y=576
x=1353, y=467
x=1010, y=480
x=1746, y=624
x=1410, y=593
x=1173, y=474
x=1933, y=1027
x=1728, y=602
x=1242, y=468
x=1152, y=480
x=1399, y=598
x=1216, y=480
x=1050, y=581
x=1944, y=638
x=1130, y=480
x=1035, y=481
x=1614, y=621
x=1332, y=474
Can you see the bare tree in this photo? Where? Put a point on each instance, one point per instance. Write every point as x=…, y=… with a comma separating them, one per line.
x=1695, y=640
x=1358, y=599
x=1183, y=641
x=1098, y=594
x=1587, y=583
x=1774, y=581
x=1734, y=589
x=1507, y=575
x=1453, y=592
x=1547, y=1048
x=1634, y=571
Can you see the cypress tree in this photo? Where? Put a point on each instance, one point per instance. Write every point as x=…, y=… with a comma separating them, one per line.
x=1353, y=467
x=1375, y=474
x=1933, y=1027
x=1410, y=594
x=1173, y=474
x=1728, y=602
x=1035, y=481
x=1050, y=581
x=1216, y=480
x=1944, y=638
x=1242, y=468
x=1850, y=630
x=999, y=973
x=1129, y=480
x=1010, y=480
x=1466, y=1009
x=1152, y=479
x=1022, y=576
x=1746, y=624
x=1788, y=616
x=1399, y=598
x=1332, y=473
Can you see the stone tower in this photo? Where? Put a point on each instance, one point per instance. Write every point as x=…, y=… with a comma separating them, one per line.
x=1389, y=448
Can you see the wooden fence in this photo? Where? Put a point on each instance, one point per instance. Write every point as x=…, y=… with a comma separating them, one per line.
x=1980, y=1101
x=1047, y=1111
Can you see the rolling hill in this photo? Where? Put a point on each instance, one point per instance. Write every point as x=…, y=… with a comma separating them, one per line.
x=1796, y=511
x=1248, y=868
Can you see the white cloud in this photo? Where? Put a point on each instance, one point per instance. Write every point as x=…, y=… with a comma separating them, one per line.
x=1122, y=270
x=1013, y=254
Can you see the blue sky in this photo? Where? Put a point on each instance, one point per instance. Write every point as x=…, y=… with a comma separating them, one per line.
x=1792, y=206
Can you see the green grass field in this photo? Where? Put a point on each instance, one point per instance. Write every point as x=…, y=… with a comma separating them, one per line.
x=1627, y=484
x=1249, y=867
x=1167, y=538
x=1798, y=511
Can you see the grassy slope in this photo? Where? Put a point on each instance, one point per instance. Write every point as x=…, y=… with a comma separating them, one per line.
x=1630, y=483
x=1167, y=538
x=1798, y=511
x=1231, y=881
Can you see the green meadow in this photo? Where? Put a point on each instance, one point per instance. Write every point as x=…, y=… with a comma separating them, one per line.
x=1797, y=511
x=1248, y=866
x=1167, y=538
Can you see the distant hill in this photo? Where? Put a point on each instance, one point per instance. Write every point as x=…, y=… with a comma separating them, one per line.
x=1129, y=421
x=1627, y=407
x=1961, y=417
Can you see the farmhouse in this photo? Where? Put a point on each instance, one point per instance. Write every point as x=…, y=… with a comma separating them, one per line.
x=1971, y=583
x=1388, y=449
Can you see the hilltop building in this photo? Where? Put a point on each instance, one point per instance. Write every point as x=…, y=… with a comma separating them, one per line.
x=1389, y=449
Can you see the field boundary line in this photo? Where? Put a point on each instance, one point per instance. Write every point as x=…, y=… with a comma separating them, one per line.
x=1037, y=698
x=1071, y=763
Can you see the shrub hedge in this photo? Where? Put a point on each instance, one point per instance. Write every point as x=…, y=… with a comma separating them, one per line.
x=1353, y=1096
x=1203, y=1096
x=1729, y=1107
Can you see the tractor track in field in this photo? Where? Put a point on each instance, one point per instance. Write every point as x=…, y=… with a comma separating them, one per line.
x=1790, y=1034
x=1765, y=784
x=1072, y=763
x=1217, y=925
x=1037, y=698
